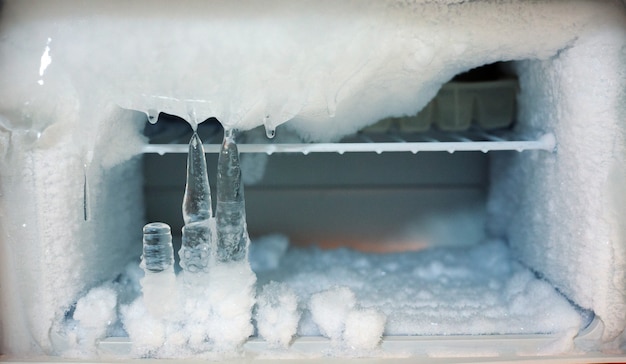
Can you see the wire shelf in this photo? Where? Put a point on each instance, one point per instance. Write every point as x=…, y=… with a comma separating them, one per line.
x=361, y=142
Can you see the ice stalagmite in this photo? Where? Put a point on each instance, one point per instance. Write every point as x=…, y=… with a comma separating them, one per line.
x=197, y=199
x=196, y=239
x=158, y=255
x=230, y=214
x=159, y=282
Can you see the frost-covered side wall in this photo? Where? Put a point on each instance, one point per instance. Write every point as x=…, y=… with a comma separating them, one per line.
x=66, y=223
x=565, y=213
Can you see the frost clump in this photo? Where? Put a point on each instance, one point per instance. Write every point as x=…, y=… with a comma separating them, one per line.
x=338, y=317
x=277, y=314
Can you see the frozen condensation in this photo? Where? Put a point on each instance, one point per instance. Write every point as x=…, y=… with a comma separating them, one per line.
x=230, y=210
x=207, y=309
x=94, y=313
x=323, y=82
x=195, y=250
x=277, y=314
x=197, y=198
x=477, y=290
x=158, y=254
x=329, y=310
x=198, y=232
x=364, y=328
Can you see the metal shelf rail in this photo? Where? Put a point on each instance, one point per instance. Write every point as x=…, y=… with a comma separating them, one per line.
x=385, y=142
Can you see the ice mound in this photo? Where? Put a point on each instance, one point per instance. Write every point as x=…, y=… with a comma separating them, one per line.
x=329, y=310
x=277, y=314
x=338, y=317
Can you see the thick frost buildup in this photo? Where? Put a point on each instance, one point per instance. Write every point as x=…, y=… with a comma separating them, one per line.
x=94, y=313
x=563, y=212
x=330, y=309
x=277, y=314
x=446, y=291
x=207, y=309
x=325, y=77
x=364, y=328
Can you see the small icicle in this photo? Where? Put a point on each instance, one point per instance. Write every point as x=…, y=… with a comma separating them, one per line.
x=153, y=116
x=197, y=198
x=85, y=193
x=270, y=130
x=230, y=212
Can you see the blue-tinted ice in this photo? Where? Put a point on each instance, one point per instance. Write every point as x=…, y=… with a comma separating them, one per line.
x=230, y=211
x=197, y=199
x=158, y=254
x=197, y=211
x=196, y=246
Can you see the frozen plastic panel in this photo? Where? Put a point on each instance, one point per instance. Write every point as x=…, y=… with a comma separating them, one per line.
x=495, y=104
x=453, y=107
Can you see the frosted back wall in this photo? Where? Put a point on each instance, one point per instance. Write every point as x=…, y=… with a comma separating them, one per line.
x=324, y=68
x=564, y=213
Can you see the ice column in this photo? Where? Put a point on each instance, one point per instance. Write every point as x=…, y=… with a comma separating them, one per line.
x=230, y=214
x=197, y=211
x=159, y=282
x=158, y=255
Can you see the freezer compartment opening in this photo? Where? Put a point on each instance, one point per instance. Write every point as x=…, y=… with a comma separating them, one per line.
x=406, y=243
x=354, y=205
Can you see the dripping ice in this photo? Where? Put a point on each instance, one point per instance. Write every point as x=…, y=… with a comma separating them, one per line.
x=208, y=307
x=197, y=234
x=230, y=214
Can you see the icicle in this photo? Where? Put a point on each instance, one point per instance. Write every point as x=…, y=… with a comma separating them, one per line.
x=270, y=130
x=197, y=199
x=230, y=213
x=153, y=116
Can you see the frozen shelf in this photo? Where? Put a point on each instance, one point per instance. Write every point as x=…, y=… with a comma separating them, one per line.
x=448, y=142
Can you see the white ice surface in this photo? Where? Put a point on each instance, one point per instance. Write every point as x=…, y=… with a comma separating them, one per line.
x=465, y=290
x=563, y=213
x=277, y=314
x=212, y=317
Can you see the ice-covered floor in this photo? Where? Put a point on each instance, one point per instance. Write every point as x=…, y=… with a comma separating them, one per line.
x=475, y=290
x=351, y=297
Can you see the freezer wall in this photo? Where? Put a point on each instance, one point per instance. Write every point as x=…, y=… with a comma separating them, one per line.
x=67, y=223
x=564, y=213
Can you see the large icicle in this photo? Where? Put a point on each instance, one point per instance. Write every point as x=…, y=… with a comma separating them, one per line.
x=197, y=211
x=197, y=199
x=230, y=211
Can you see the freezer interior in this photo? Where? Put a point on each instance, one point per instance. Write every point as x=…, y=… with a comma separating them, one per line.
x=417, y=184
